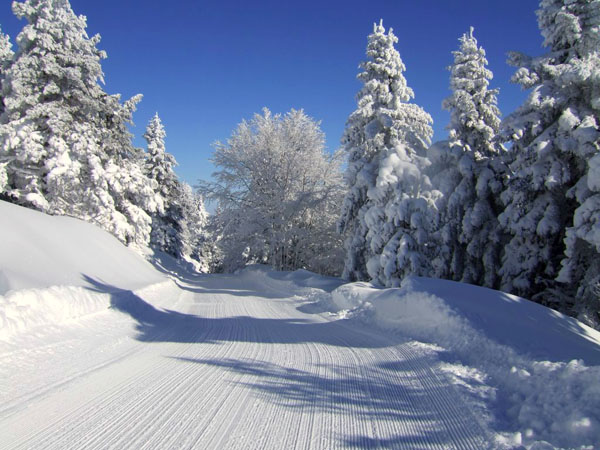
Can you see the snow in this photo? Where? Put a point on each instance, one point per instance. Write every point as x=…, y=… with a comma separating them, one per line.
x=99, y=348
x=49, y=266
x=39, y=251
x=544, y=367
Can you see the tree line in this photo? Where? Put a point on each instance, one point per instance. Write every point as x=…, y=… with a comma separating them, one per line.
x=510, y=204
x=65, y=147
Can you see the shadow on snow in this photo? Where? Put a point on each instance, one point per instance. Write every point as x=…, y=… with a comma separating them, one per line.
x=376, y=394
x=386, y=392
x=164, y=325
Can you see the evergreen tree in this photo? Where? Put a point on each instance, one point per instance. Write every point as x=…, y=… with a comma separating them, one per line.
x=471, y=177
x=555, y=140
x=63, y=140
x=6, y=56
x=387, y=213
x=196, y=244
x=122, y=182
x=159, y=163
x=179, y=224
x=166, y=221
x=573, y=32
x=46, y=94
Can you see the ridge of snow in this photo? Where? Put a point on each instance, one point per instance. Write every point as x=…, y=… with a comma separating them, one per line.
x=50, y=267
x=543, y=367
x=40, y=251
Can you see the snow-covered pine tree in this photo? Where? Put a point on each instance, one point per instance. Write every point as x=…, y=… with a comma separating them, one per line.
x=179, y=224
x=197, y=245
x=572, y=31
x=471, y=177
x=159, y=163
x=123, y=174
x=555, y=143
x=6, y=57
x=580, y=273
x=387, y=213
x=166, y=221
x=45, y=98
x=64, y=141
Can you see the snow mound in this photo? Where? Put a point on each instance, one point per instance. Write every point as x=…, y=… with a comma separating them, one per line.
x=298, y=283
x=50, y=268
x=28, y=308
x=39, y=251
x=543, y=367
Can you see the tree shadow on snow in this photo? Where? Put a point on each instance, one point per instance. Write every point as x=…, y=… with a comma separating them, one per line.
x=175, y=268
x=164, y=325
x=389, y=398
x=390, y=395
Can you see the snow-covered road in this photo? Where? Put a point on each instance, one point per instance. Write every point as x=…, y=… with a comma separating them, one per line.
x=226, y=362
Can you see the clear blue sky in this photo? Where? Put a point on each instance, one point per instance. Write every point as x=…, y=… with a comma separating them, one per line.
x=204, y=65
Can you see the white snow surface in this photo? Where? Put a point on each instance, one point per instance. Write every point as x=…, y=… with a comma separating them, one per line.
x=122, y=358
x=537, y=370
x=39, y=251
x=50, y=267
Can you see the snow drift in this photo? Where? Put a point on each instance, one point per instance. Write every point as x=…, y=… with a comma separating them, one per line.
x=50, y=267
x=538, y=370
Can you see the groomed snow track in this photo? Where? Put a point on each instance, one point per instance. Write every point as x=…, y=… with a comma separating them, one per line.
x=233, y=362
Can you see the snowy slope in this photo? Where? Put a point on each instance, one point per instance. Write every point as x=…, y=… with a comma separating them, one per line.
x=38, y=251
x=50, y=267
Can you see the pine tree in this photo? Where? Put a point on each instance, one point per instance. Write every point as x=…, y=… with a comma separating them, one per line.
x=45, y=94
x=387, y=211
x=555, y=140
x=197, y=245
x=572, y=31
x=167, y=221
x=64, y=141
x=6, y=56
x=120, y=177
x=471, y=178
x=159, y=163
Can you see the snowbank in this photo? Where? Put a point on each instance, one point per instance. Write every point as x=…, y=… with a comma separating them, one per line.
x=51, y=267
x=28, y=308
x=39, y=251
x=542, y=368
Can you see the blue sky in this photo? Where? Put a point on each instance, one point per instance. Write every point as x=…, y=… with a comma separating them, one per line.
x=206, y=65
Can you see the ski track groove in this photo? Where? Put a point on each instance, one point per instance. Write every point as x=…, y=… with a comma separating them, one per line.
x=227, y=386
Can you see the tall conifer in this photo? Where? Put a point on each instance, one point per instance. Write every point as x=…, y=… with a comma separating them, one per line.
x=555, y=136
x=387, y=211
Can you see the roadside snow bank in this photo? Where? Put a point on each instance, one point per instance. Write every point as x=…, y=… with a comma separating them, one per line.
x=39, y=251
x=543, y=366
x=25, y=309
x=299, y=283
x=54, y=269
